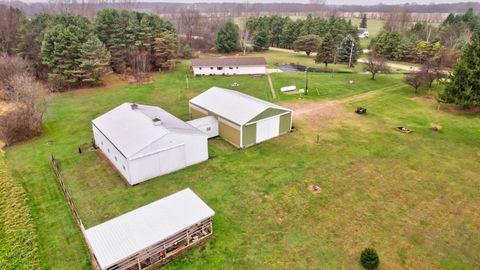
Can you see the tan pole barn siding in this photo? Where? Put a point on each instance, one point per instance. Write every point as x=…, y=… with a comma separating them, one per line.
x=249, y=134
x=196, y=113
x=285, y=123
x=228, y=132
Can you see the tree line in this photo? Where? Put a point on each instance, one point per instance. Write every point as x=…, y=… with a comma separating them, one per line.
x=71, y=51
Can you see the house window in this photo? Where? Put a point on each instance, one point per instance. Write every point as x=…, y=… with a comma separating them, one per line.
x=219, y=68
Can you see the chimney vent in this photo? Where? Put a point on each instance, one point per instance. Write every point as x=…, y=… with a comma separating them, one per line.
x=156, y=121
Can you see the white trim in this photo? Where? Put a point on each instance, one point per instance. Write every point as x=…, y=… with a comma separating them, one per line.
x=197, y=108
x=158, y=151
x=276, y=115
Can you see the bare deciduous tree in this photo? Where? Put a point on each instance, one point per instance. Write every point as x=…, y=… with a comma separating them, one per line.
x=375, y=63
x=397, y=19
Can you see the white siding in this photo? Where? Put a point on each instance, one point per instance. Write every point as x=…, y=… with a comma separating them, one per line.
x=229, y=70
x=207, y=125
x=268, y=128
x=115, y=157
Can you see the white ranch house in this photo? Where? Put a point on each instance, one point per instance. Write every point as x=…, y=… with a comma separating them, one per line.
x=144, y=142
x=229, y=66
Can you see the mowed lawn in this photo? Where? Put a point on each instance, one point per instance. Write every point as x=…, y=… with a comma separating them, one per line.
x=415, y=198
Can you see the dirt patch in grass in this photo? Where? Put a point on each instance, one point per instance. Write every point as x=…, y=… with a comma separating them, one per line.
x=461, y=109
x=314, y=188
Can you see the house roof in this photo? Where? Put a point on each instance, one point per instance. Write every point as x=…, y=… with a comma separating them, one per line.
x=234, y=106
x=232, y=61
x=125, y=235
x=131, y=129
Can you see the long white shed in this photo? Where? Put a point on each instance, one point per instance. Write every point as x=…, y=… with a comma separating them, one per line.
x=152, y=234
x=144, y=142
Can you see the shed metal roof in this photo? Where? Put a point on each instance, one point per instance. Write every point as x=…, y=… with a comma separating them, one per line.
x=234, y=106
x=131, y=130
x=231, y=61
x=125, y=235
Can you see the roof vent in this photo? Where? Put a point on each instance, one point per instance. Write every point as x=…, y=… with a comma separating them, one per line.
x=134, y=106
x=156, y=121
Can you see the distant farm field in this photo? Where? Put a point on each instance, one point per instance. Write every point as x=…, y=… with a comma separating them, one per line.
x=415, y=197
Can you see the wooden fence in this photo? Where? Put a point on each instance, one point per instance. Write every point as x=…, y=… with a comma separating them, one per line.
x=71, y=205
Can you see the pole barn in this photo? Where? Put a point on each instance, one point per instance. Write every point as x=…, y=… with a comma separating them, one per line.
x=144, y=142
x=243, y=120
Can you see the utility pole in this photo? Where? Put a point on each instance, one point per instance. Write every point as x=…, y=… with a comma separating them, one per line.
x=306, y=81
x=351, y=54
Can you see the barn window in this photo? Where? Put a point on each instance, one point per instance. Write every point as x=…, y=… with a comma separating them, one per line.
x=108, y=149
x=123, y=166
x=211, y=67
x=209, y=128
x=237, y=67
x=219, y=68
x=230, y=67
x=116, y=158
x=200, y=68
x=102, y=142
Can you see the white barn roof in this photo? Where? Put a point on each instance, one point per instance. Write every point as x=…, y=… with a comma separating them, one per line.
x=131, y=130
x=232, y=105
x=125, y=235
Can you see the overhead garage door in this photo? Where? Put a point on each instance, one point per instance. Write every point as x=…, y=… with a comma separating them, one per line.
x=268, y=128
x=172, y=159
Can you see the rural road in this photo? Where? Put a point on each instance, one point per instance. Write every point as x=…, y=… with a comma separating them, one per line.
x=362, y=60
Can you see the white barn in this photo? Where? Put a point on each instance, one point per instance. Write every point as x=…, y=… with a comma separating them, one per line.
x=144, y=142
x=229, y=66
x=151, y=235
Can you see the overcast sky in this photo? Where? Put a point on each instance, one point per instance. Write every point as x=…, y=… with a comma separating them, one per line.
x=331, y=2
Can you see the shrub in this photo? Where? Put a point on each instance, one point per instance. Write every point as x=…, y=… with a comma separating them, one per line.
x=369, y=258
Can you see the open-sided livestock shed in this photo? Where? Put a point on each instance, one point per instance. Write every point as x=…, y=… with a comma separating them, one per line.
x=144, y=142
x=152, y=234
x=243, y=120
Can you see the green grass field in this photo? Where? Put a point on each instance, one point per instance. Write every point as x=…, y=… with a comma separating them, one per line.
x=415, y=198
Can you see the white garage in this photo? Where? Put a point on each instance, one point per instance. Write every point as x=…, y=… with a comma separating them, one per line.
x=144, y=142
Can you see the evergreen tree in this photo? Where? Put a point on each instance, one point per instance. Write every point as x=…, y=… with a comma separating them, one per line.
x=307, y=27
x=94, y=62
x=61, y=53
x=463, y=87
x=348, y=50
x=227, y=38
x=326, y=51
x=307, y=44
x=165, y=48
x=110, y=28
x=363, y=23
x=260, y=40
x=290, y=33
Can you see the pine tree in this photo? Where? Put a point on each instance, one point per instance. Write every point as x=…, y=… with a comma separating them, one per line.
x=363, y=23
x=164, y=49
x=94, y=62
x=348, y=48
x=307, y=27
x=260, y=40
x=464, y=82
x=110, y=28
x=326, y=51
x=227, y=38
x=61, y=53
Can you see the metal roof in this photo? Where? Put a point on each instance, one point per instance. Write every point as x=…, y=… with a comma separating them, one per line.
x=131, y=129
x=232, y=61
x=125, y=235
x=234, y=106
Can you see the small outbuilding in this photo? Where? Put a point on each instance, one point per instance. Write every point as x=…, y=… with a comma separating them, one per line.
x=151, y=235
x=243, y=120
x=144, y=142
x=229, y=66
x=207, y=124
